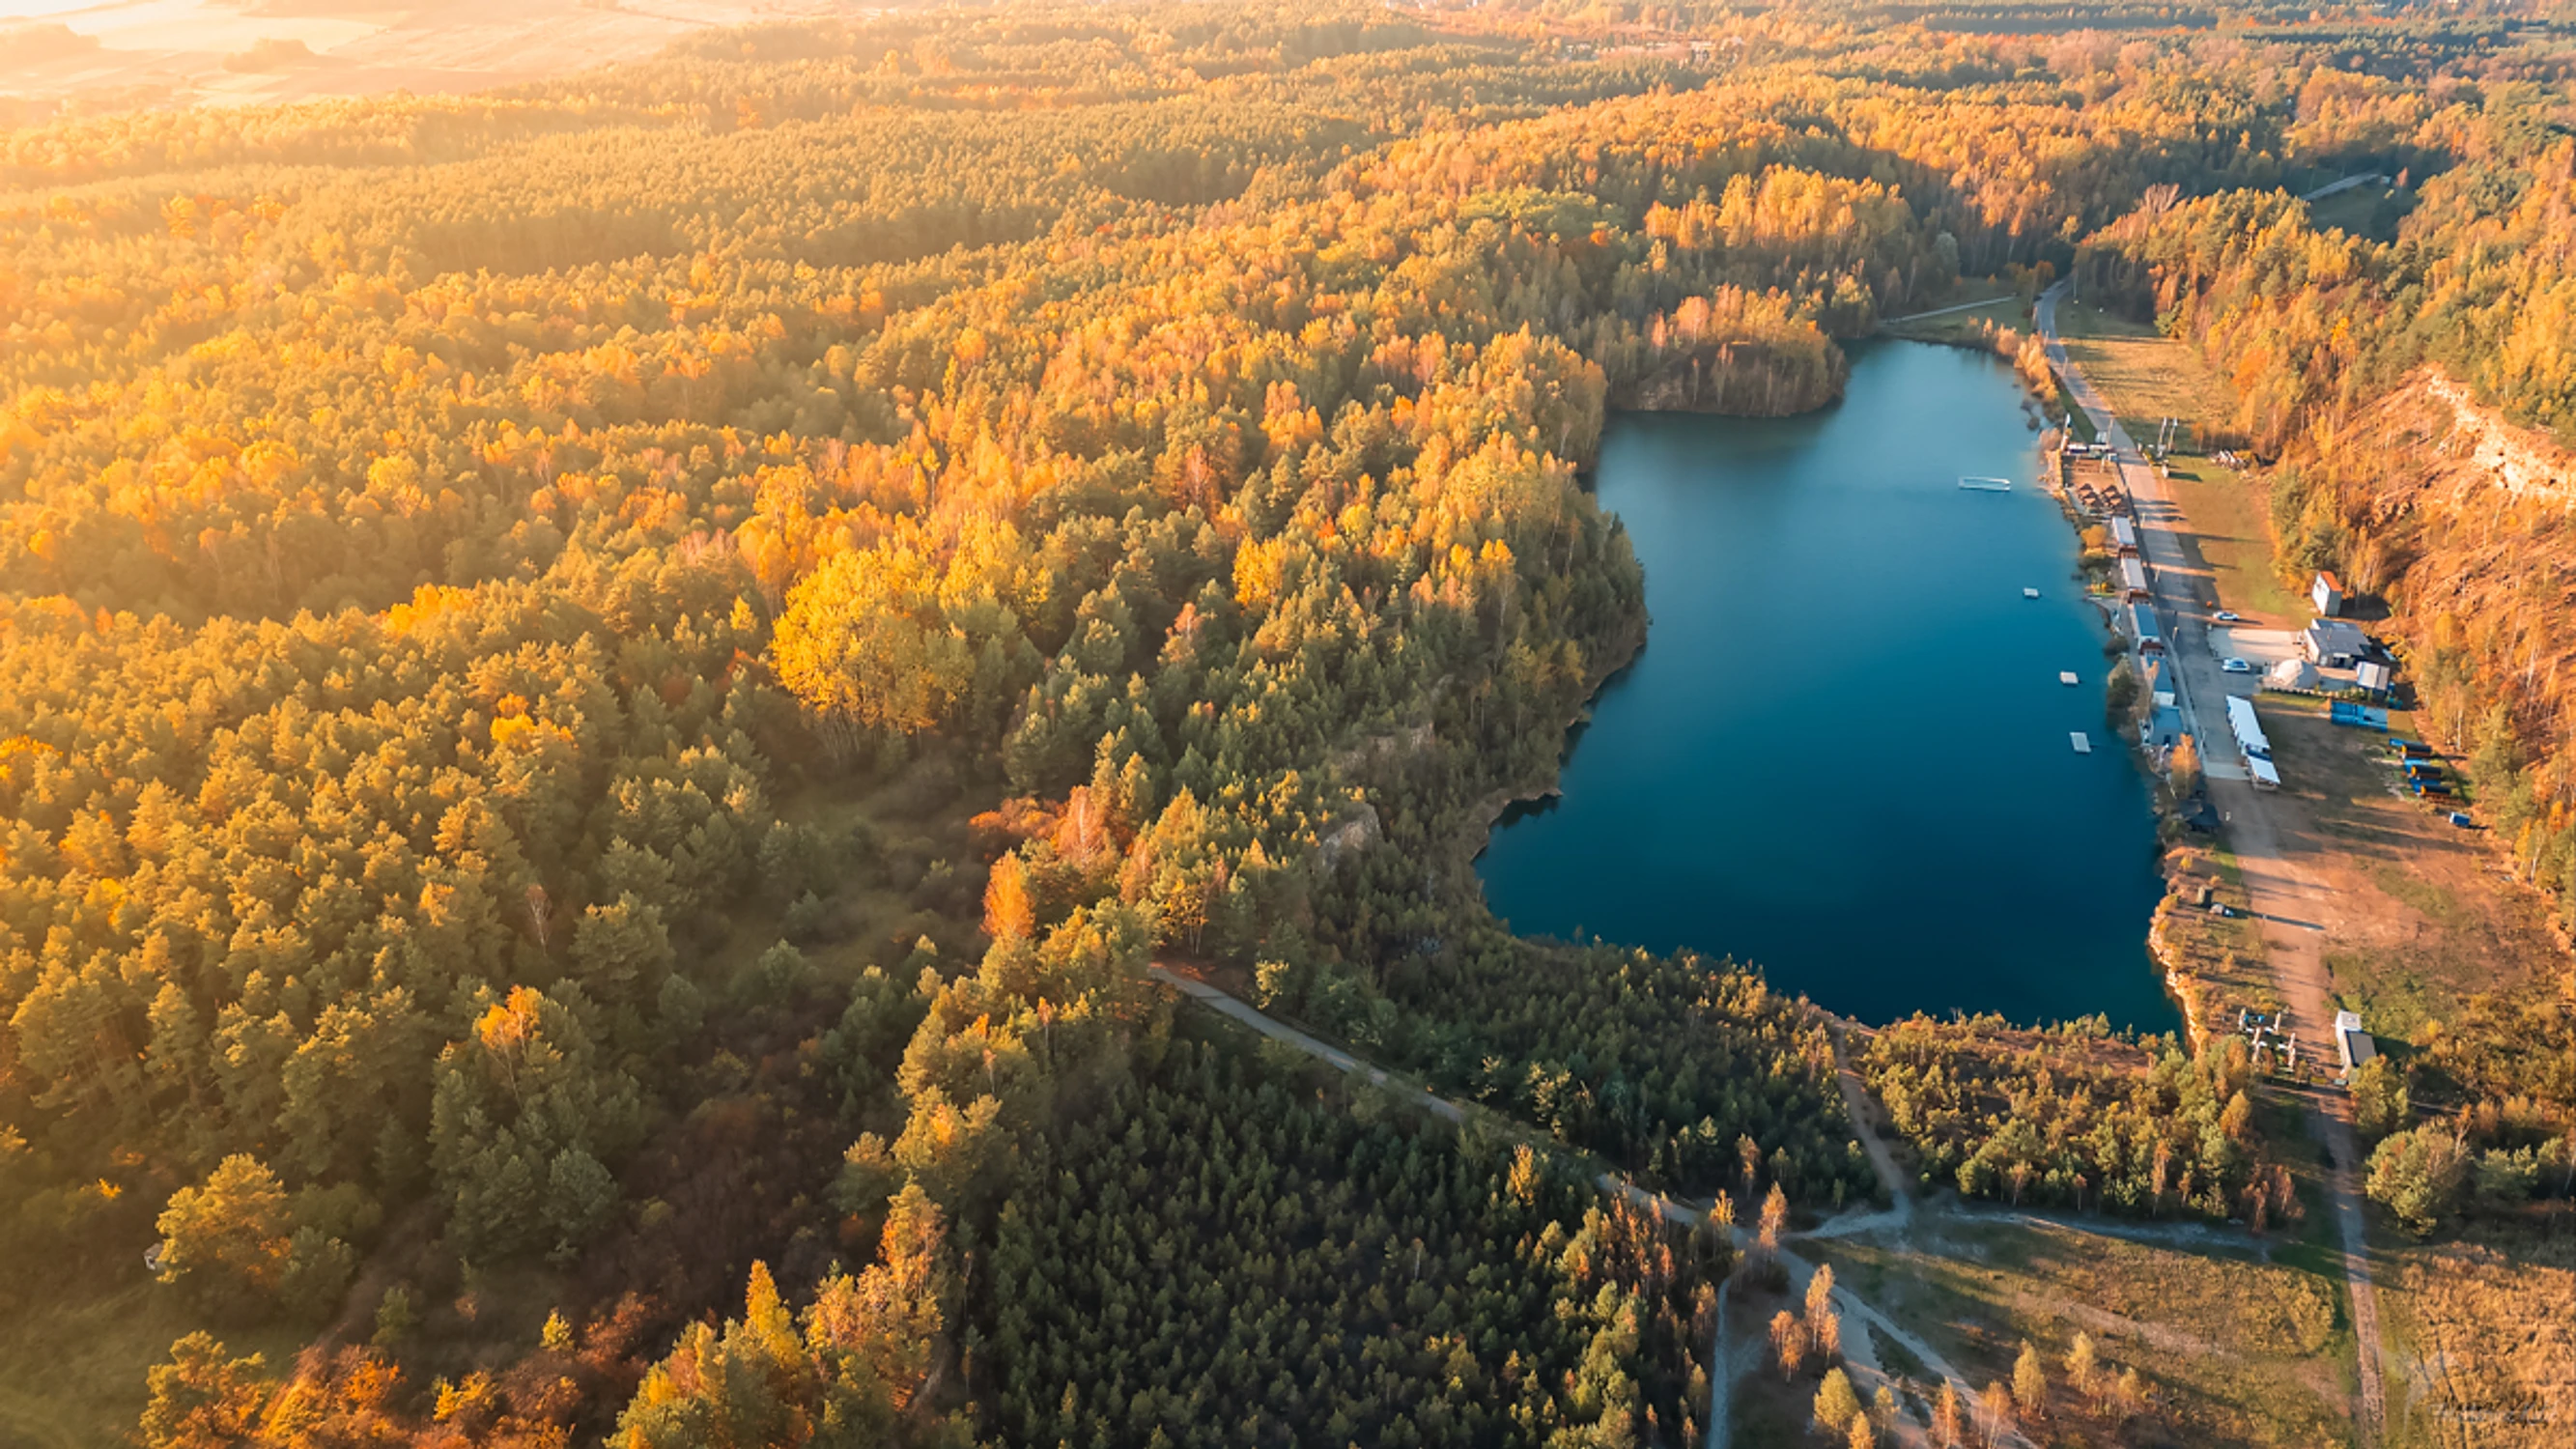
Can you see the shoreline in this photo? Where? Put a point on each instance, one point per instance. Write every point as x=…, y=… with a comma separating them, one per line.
x=1483, y=818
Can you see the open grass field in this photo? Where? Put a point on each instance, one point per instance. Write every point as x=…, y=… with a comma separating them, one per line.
x=1984, y=302
x=2485, y=1333
x=2146, y=376
x=2230, y=529
x=72, y=1371
x=914, y=869
x=2234, y=1349
x=1766, y=1408
x=2371, y=211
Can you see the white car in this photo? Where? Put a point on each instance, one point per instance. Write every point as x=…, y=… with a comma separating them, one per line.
x=2234, y=666
x=2226, y=616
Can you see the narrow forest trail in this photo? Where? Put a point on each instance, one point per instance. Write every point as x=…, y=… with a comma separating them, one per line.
x=2285, y=898
x=1882, y=1160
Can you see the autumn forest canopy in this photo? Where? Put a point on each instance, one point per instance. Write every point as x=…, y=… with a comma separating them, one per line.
x=608, y=689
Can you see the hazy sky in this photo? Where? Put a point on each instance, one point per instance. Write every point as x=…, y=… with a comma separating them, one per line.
x=19, y=9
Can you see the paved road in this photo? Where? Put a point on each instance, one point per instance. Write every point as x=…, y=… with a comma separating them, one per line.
x=1900, y=1209
x=2286, y=897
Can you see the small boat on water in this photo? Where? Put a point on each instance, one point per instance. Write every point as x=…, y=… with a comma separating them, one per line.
x=2066, y=677
x=2083, y=745
x=2030, y=593
x=1986, y=485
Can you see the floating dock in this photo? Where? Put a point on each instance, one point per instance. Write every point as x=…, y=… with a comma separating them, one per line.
x=1986, y=485
x=2066, y=677
x=2083, y=744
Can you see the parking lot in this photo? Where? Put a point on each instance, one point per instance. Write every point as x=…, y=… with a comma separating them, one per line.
x=2261, y=648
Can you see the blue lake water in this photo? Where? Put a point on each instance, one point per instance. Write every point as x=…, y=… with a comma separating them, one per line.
x=1844, y=753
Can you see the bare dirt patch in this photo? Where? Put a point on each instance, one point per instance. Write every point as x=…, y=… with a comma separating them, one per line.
x=2423, y=915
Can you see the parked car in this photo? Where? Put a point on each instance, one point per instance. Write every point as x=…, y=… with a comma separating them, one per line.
x=2227, y=616
x=2234, y=666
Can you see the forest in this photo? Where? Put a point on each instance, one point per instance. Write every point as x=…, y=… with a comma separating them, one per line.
x=2067, y=1116
x=611, y=687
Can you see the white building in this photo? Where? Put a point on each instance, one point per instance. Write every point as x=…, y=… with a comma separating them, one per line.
x=2291, y=674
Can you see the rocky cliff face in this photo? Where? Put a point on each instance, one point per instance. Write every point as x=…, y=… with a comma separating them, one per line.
x=2466, y=523
x=2440, y=490
x=2479, y=450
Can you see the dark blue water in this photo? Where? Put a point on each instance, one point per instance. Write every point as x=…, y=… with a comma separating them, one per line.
x=1843, y=755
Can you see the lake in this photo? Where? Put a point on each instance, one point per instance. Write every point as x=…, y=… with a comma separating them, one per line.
x=1843, y=755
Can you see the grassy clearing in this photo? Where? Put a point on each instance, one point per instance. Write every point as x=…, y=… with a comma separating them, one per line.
x=2220, y=958
x=1988, y=305
x=1971, y=290
x=2230, y=529
x=1766, y=1408
x=2145, y=376
x=915, y=869
x=2236, y=1350
x=2484, y=1329
x=1961, y=329
x=2372, y=211
x=2148, y=377
x=72, y=1368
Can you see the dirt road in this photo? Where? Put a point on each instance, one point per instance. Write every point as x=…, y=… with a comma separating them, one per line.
x=2293, y=907
x=1725, y=1364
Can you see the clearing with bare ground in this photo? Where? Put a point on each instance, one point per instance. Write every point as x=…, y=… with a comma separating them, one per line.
x=2424, y=914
